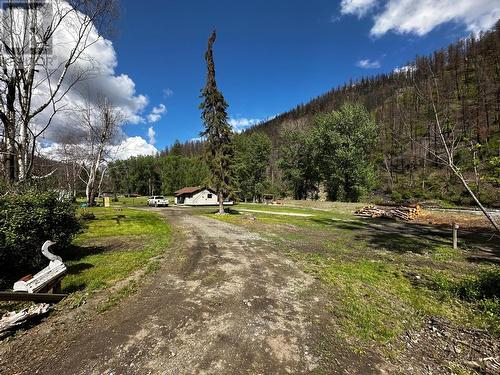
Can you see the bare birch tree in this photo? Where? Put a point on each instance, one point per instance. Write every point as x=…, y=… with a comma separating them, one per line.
x=32, y=79
x=101, y=124
x=450, y=140
x=66, y=154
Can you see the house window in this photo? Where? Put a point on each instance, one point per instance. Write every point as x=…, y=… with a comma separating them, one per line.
x=209, y=196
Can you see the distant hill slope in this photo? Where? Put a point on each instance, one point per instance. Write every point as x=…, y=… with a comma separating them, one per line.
x=467, y=77
x=468, y=80
x=468, y=73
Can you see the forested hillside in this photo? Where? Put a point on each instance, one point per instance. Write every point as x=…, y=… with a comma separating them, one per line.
x=404, y=159
x=466, y=90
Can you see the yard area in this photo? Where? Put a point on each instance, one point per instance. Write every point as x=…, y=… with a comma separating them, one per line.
x=115, y=244
x=386, y=279
x=265, y=292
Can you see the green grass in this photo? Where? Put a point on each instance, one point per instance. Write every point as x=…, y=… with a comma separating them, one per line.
x=272, y=208
x=137, y=201
x=121, y=294
x=374, y=300
x=130, y=202
x=320, y=219
x=381, y=283
x=112, y=247
x=345, y=212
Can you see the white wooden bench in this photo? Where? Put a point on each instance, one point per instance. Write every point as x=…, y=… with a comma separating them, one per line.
x=47, y=279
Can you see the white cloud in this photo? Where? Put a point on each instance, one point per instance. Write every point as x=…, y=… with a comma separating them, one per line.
x=133, y=146
x=368, y=64
x=357, y=7
x=167, y=93
x=156, y=113
x=151, y=135
x=124, y=149
x=240, y=124
x=335, y=18
x=421, y=16
x=98, y=61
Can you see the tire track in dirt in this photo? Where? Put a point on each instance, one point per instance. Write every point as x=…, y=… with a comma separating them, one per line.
x=236, y=305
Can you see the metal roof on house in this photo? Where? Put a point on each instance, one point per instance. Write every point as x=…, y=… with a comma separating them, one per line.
x=187, y=190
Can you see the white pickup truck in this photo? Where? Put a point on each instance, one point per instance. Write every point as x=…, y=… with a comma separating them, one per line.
x=157, y=200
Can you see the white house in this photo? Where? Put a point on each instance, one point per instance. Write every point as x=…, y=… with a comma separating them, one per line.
x=197, y=196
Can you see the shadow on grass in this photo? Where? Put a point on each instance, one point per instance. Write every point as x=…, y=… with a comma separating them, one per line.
x=347, y=224
x=395, y=236
x=227, y=211
x=232, y=211
x=75, y=287
x=402, y=237
x=77, y=268
x=75, y=253
x=488, y=257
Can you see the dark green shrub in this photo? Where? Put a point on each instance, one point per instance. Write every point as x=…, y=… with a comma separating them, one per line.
x=481, y=290
x=482, y=286
x=26, y=222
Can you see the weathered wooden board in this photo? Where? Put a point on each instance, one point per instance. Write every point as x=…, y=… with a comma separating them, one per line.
x=46, y=277
x=15, y=320
x=35, y=297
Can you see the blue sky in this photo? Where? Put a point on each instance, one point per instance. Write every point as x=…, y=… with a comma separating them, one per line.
x=271, y=55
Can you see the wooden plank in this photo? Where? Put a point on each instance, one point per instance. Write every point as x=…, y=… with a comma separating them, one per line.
x=13, y=320
x=35, y=297
x=54, y=271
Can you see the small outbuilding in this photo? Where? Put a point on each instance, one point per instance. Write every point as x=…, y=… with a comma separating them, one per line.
x=197, y=196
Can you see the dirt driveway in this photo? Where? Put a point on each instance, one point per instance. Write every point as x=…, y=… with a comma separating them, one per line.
x=225, y=301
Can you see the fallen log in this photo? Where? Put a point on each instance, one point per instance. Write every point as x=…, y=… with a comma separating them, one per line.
x=12, y=321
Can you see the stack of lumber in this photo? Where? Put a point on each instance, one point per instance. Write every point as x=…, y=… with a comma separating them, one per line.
x=370, y=211
x=406, y=213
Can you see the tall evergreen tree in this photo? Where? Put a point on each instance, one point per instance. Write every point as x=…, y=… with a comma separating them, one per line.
x=218, y=132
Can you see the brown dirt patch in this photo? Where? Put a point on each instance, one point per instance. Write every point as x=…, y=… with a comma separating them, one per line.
x=225, y=301
x=468, y=221
x=117, y=243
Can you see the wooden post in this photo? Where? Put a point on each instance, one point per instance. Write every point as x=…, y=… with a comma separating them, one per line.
x=455, y=236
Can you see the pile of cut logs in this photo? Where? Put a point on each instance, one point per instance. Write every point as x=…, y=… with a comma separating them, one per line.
x=406, y=213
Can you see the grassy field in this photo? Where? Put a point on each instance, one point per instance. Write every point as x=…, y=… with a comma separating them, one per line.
x=383, y=277
x=114, y=244
x=141, y=201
